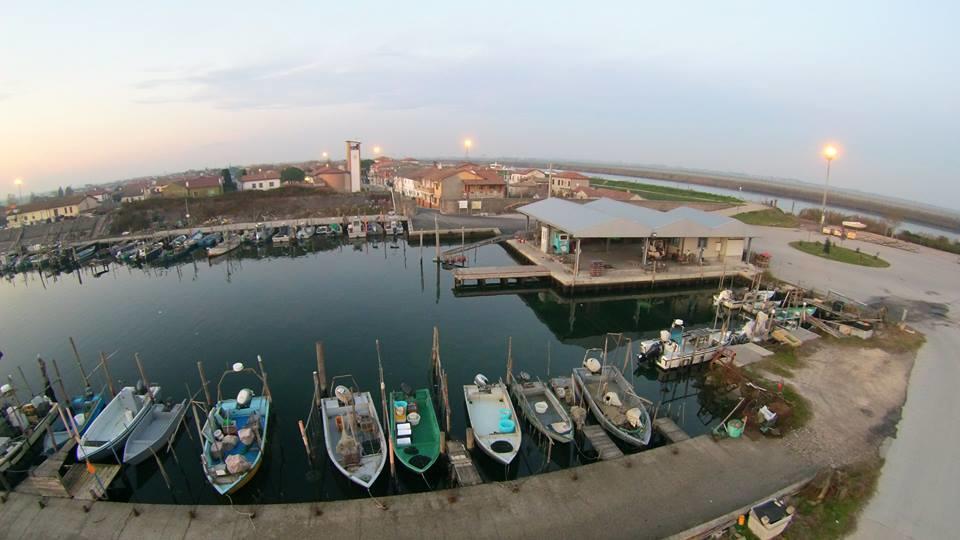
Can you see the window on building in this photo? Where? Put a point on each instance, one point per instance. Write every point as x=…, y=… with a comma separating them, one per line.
x=702, y=243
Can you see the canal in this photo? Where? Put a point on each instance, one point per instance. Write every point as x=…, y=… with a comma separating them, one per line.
x=276, y=302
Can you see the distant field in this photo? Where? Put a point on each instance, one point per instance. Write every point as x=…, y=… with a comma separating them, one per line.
x=771, y=217
x=840, y=254
x=662, y=193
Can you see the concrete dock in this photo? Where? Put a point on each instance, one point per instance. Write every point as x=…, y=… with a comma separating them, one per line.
x=662, y=492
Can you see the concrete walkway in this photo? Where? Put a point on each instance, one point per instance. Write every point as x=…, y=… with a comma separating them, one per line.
x=920, y=483
x=653, y=494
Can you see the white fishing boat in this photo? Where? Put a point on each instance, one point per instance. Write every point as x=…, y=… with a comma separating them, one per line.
x=110, y=429
x=23, y=425
x=612, y=400
x=352, y=432
x=679, y=347
x=356, y=228
x=493, y=419
x=229, y=244
x=283, y=235
x=305, y=232
x=153, y=433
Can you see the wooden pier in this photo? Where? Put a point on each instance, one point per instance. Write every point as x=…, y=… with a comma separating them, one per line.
x=670, y=430
x=501, y=274
x=473, y=245
x=462, y=468
x=77, y=482
x=602, y=443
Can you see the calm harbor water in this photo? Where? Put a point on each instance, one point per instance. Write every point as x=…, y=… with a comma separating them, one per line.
x=277, y=301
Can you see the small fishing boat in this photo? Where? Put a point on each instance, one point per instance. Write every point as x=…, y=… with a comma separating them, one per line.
x=262, y=234
x=193, y=240
x=110, y=429
x=84, y=409
x=356, y=228
x=229, y=244
x=612, y=400
x=679, y=347
x=209, y=240
x=22, y=425
x=235, y=434
x=414, y=429
x=306, y=232
x=283, y=235
x=352, y=432
x=493, y=419
x=323, y=230
x=154, y=432
x=83, y=255
x=149, y=253
x=541, y=408
x=374, y=229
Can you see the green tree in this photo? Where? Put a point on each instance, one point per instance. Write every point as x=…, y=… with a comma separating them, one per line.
x=68, y=191
x=228, y=184
x=60, y=192
x=292, y=174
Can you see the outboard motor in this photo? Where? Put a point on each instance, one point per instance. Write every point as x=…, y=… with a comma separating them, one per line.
x=481, y=381
x=88, y=393
x=651, y=353
x=592, y=365
x=344, y=395
x=140, y=388
x=524, y=376
x=244, y=398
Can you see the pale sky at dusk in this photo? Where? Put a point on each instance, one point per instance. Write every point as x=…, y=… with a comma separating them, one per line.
x=97, y=91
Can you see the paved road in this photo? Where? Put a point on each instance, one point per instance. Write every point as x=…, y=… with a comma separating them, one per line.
x=920, y=482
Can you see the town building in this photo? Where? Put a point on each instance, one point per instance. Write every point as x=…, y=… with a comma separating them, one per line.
x=192, y=188
x=259, y=181
x=627, y=234
x=461, y=189
x=49, y=210
x=332, y=177
x=353, y=164
x=565, y=183
x=134, y=192
x=521, y=175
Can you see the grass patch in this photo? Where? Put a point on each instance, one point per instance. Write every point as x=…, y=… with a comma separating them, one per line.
x=840, y=254
x=662, y=193
x=829, y=508
x=771, y=217
x=782, y=362
x=891, y=339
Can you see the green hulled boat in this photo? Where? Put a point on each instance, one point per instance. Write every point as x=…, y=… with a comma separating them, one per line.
x=416, y=439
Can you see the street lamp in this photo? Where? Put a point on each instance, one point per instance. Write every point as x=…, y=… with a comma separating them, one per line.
x=467, y=144
x=829, y=153
x=376, y=149
x=19, y=183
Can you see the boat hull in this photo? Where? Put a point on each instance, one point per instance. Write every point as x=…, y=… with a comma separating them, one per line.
x=13, y=458
x=582, y=378
x=258, y=404
x=109, y=431
x=536, y=390
x=370, y=466
x=484, y=408
x=152, y=434
x=425, y=436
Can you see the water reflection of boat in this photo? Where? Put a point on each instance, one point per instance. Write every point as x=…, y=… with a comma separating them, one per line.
x=612, y=400
x=352, y=433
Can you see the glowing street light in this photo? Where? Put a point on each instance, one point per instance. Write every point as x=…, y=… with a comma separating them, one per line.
x=467, y=145
x=376, y=149
x=829, y=153
x=19, y=183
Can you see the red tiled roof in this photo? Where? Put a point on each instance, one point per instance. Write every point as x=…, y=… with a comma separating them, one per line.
x=326, y=170
x=571, y=175
x=199, y=182
x=488, y=177
x=48, y=204
x=259, y=176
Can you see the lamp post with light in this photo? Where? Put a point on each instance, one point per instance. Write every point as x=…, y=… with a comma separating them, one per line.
x=829, y=153
x=19, y=183
x=467, y=144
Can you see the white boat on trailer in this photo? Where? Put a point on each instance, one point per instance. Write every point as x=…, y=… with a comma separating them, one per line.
x=108, y=432
x=352, y=432
x=493, y=419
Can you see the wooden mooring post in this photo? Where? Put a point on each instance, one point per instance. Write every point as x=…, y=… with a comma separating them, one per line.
x=321, y=372
x=386, y=411
x=106, y=373
x=203, y=383
x=76, y=354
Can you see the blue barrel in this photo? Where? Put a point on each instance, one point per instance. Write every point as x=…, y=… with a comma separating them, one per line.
x=507, y=426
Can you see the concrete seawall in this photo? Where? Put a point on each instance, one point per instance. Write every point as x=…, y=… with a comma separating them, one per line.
x=662, y=492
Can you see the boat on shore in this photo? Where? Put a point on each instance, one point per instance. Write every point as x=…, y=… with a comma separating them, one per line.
x=612, y=400
x=414, y=429
x=541, y=408
x=352, y=432
x=235, y=434
x=110, y=429
x=493, y=419
x=22, y=425
x=154, y=432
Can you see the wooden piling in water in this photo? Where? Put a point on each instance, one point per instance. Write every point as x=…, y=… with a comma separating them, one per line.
x=321, y=368
x=106, y=373
x=63, y=389
x=203, y=383
x=83, y=374
x=266, y=385
x=143, y=374
x=509, y=358
x=386, y=411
